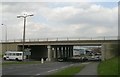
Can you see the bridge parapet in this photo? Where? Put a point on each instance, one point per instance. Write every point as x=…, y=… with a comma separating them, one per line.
x=64, y=39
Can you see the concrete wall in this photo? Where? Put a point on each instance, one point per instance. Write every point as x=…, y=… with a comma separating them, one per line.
x=109, y=50
x=10, y=47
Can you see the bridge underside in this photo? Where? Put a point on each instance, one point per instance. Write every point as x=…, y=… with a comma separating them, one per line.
x=52, y=52
x=37, y=51
x=49, y=52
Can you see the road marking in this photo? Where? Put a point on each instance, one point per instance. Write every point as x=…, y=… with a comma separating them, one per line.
x=61, y=67
x=32, y=76
x=64, y=67
x=37, y=74
x=85, y=63
x=67, y=66
x=52, y=70
x=71, y=64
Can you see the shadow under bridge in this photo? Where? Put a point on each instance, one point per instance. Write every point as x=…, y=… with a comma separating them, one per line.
x=49, y=52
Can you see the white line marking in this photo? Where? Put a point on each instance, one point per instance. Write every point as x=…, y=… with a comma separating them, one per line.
x=67, y=66
x=71, y=64
x=52, y=70
x=60, y=68
x=85, y=63
x=64, y=67
x=32, y=76
x=37, y=74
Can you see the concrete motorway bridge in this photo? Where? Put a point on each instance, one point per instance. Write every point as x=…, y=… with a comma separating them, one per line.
x=54, y=48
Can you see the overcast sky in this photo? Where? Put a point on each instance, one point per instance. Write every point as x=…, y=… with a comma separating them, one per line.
x=60, y=19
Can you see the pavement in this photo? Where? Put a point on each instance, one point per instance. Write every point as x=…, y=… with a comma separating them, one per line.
x=90, y=69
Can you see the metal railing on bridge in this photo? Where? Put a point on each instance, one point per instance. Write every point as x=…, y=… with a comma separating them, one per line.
x=64, y=39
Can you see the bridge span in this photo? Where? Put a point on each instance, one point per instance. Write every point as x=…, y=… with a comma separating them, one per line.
x=55, y=48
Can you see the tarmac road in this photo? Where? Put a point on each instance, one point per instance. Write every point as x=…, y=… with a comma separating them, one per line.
x=34, y=69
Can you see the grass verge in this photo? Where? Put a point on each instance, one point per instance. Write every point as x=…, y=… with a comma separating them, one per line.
x=0, y=55
x=108, y=67
x=68, y=72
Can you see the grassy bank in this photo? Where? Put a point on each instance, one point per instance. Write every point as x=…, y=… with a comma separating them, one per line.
x=0, y=55
x=68, y=72
x=108, y=67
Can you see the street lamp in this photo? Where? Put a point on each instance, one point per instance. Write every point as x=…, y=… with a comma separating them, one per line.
x=5, y=35
x=24, y=17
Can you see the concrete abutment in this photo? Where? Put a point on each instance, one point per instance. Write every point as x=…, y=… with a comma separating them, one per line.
x=109, y=50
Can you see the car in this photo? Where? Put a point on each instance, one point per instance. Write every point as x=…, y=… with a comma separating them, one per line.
x=97, y=57
x=60, y=59
x=83, y=59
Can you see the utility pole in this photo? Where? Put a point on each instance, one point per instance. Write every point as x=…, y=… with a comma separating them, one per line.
x=24, y=22
x=5, y=35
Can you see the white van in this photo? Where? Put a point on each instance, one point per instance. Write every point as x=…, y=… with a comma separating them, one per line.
x=13, y=55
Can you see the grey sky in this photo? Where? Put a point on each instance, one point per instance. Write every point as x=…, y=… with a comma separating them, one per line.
x=65, y=19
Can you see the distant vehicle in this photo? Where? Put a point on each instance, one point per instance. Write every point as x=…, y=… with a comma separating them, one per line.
x=96, y=57
x=14, y=55
x=84, y=58
x=62, y=59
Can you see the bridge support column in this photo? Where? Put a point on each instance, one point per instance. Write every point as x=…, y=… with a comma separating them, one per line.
x=58, y=52
x=63, y=52
x=54, y=52
x=71, y=51
x=67, y=52
x=49, y=53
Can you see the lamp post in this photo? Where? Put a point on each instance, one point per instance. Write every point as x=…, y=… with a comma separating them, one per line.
x=5, y=35
x=24, y=17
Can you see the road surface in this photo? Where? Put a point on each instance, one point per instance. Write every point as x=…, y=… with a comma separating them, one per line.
x=34, y=69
